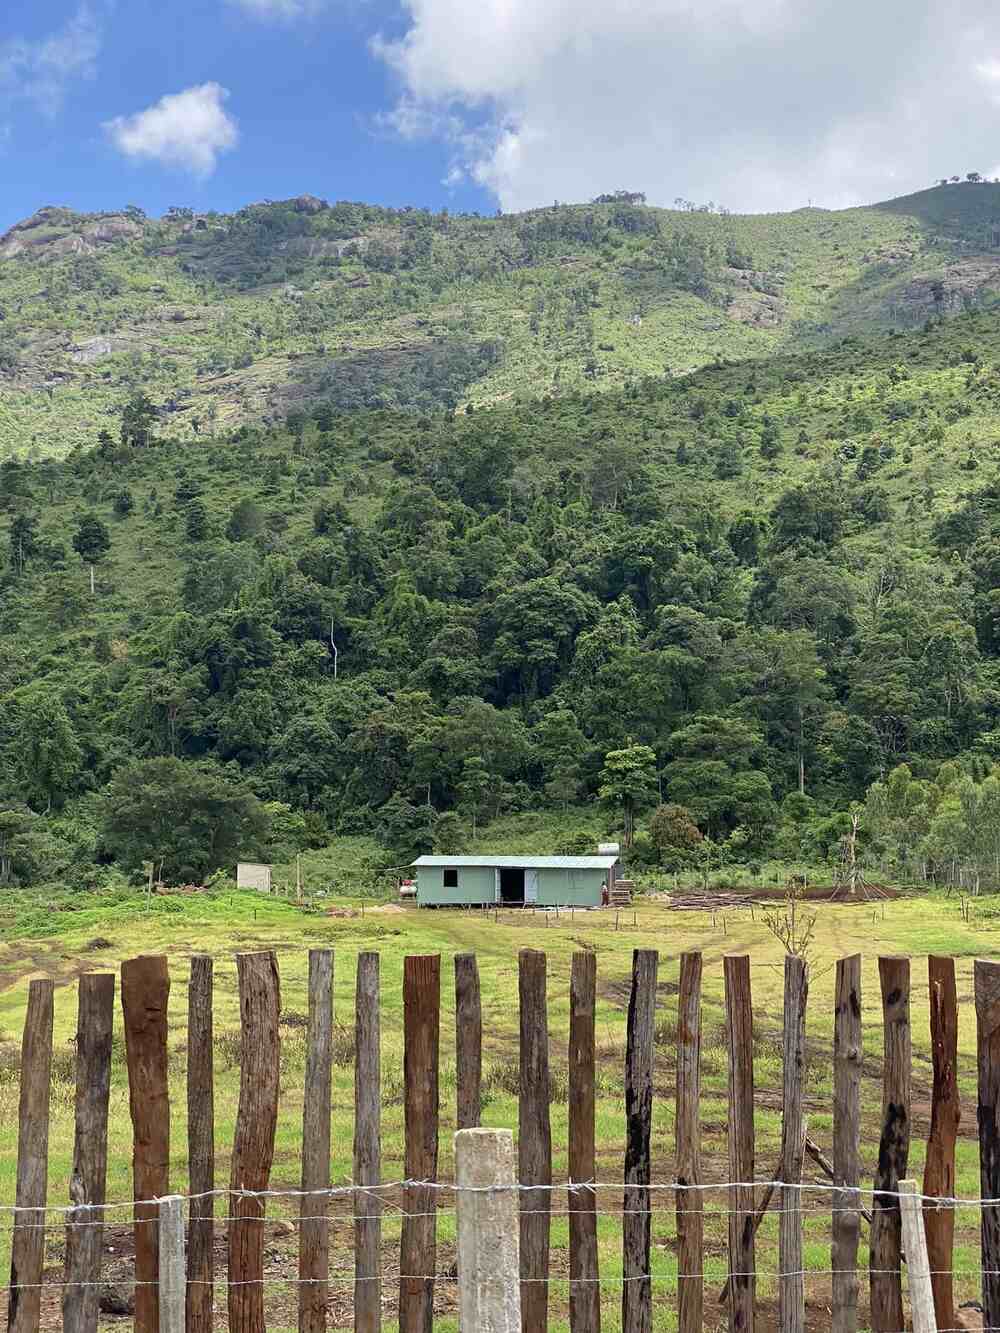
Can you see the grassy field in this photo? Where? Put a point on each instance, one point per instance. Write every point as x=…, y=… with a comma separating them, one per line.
x=86, y=934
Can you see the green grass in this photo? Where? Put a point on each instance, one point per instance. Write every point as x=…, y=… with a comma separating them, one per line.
x=224, y=923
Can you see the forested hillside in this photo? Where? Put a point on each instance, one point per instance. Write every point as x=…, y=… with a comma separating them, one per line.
x=231, y=320
x=743, y=596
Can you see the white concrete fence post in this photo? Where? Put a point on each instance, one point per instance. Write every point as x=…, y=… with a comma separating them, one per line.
x=918, y=1269
x=172, y=1270
x=489, y=1268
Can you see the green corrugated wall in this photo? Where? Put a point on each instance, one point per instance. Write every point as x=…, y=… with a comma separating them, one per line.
x=572, y=888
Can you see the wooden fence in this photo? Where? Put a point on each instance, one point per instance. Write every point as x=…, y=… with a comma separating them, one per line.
x=169, y=1297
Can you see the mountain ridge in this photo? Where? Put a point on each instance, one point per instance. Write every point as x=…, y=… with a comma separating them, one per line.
x=227, y=319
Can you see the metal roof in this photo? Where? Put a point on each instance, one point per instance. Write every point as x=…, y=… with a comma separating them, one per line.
x=521, y=862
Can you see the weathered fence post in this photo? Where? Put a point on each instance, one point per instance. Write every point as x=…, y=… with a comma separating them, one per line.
x=314, y=1226
x=946, y=1112
x=988, y=1110
x=690, y=1252
x=199, y=1300
x=145, y=992
x=792, y=1291
x=637, y=1289
x=367, y=1148
x=584, y=1291
x=172, y=1283
x=847, y=1060
x=87, y=1182
x=468, y=1041
x=421, y=1036
x=918, y=1270
x=253, y=1143
x=489, y=1293
x=27, y=1255
x=894, y=1148
x=739, y=1033
x=534, y=1142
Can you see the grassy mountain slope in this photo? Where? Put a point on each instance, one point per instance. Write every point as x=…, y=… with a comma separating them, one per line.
x=230, y=319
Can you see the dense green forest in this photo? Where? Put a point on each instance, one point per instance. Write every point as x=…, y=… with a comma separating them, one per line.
x=727, y=610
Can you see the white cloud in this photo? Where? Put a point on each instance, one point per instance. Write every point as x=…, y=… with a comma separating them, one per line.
x=187, y=129
x=758, y=104
x=41, y=71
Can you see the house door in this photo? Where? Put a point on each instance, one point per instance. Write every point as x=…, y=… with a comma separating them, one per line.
x=531, y=886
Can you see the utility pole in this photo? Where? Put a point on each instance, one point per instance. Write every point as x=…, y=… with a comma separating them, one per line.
x=334, y=647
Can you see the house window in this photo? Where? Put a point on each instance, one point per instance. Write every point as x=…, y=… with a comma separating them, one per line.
x=451, y=879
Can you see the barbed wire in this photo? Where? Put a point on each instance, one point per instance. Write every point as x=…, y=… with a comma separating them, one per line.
x=573, y=1187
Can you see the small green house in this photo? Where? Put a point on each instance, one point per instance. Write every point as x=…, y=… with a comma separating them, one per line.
x=549, y=881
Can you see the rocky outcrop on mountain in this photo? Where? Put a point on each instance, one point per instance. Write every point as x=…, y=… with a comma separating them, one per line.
x=54, y=231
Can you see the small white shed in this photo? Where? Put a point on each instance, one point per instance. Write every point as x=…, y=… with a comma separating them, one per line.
x=251, y=875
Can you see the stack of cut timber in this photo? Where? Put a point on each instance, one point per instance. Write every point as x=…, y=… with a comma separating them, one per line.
x=621, y=892
x=707, y=902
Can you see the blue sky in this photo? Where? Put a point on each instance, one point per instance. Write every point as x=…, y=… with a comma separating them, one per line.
x=757, y=105
x=306, y=95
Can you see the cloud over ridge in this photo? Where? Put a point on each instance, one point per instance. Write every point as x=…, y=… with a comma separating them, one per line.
x=188, y=130
x=758, y=104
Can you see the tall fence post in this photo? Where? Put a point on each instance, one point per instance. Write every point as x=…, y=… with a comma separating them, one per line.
x=687, y=1123
x=848, y=1054
x=253, y=1143
x=200, y=1296
x=987, y=987
x=367, y=1148
x=894, y=1148
x=489, y=1292
x=739, y=1034
x=918, y=1270
x=946, y=1112
x=792, y=1291
x=27, y=1255
x=584, y=1291
x=314, y=1226
x=637, y=1289
x=87, y=1184
x=468, y=1041
x=534, y=1142
x=418, y=1244
x=145, y=992
x=172, y=1282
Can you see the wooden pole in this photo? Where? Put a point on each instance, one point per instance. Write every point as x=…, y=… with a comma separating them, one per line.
x=199, y=1299
x=171, y=1246
x=489, y=1294
x=534, y=1142
x=253, y=1143
x=145, y=991
x=791, y=1290
x=690, y=1244
x=421, y=1037
x=584, y=1292
x=918, y=1271
x=367, y=1148
x=468, y=1041
x=27, y=1255
x=739, y=1033
x=894, y=1148
x=637, y=1290
x=946, y=1112
x=87, y=1183
x=848, y=1054
x=314, y=1227
x=987, y=986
